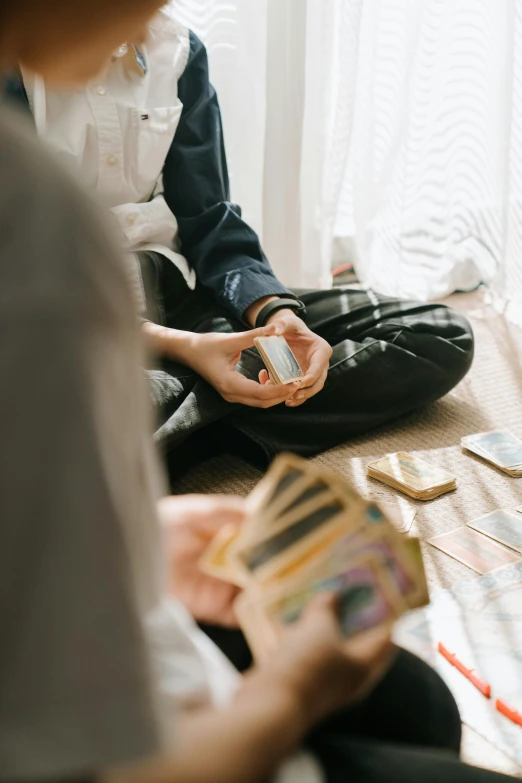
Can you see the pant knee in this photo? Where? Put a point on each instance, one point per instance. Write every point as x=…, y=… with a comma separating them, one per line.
x=431, y=701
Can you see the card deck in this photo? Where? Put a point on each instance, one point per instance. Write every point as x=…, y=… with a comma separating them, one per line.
x=474, y=550
x=412, y=475
x=501, y=448
x=280, y=362
x=503, y=526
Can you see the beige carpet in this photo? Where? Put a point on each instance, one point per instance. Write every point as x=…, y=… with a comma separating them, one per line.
x=489, y=398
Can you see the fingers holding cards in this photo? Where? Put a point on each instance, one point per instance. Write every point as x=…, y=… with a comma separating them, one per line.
x=307, y=531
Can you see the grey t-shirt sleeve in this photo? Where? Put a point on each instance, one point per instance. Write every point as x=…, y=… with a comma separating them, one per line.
x=75, y=691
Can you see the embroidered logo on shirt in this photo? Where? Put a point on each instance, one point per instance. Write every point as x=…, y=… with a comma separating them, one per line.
x=144, y=116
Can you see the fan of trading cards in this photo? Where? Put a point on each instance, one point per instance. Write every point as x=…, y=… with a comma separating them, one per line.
x=308, y=531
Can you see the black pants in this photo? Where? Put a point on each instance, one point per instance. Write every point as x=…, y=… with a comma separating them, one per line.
x=407, y=731
x=389, y=357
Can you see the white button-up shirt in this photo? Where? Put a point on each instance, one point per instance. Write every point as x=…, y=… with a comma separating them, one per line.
x=117, y=132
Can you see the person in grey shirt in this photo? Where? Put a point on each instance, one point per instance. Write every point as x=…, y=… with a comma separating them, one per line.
x=82, y=577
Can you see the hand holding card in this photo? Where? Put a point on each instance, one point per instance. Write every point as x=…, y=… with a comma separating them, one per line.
x=307, y=532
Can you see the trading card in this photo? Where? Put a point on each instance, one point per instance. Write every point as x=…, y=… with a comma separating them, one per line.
x=286, y=478
x=412, y=471
x=502, y=448
x=503, y=526
x=343, y=537
x=216, y=560
x=309, y=493
x=365, y=597
x=474, y=550
x=402, y=562
x=400, y=513
x=421, y=595
x=292, y=561
x=263, y=551
x=302, y=510
x=366, y=542
x=282, y=365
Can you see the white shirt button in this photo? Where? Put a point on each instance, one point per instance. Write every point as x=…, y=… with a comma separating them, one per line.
x=101, y=90
x=111, y=160
x=130, y=220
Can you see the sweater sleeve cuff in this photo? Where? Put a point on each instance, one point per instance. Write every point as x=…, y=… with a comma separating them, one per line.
x=245, y=286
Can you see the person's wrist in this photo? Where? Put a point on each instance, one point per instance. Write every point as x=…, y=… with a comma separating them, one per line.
x=187, y=349
x=255, y=308
x=278, y=314
x=291, y=694
x=173, y=343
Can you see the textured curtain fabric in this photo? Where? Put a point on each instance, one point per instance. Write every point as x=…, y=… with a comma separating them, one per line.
x=387, y=133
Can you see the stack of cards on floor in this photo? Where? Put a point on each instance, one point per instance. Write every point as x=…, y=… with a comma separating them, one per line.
x=280, y=362
x=412, y=475
x=502, y=449
x=307, y=531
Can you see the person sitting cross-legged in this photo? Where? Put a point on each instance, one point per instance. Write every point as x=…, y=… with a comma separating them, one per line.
x=146, y=136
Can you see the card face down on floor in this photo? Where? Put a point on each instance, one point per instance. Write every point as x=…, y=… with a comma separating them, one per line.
x=280, y=362
x=502, y=449
x=412, y=475
x=308, y=531
x=503, y=526
x=474, y=550
x=400, y=512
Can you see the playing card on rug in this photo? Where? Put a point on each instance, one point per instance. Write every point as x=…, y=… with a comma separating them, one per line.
x=503, y=526
x=502, y=448
x=412, y=475
x=474, y=550
x=281, y=363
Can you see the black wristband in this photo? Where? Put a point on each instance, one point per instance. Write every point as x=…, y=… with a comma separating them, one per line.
x=280, y=304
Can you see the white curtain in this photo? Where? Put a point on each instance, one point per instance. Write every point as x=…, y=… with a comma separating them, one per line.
x=383, y=132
